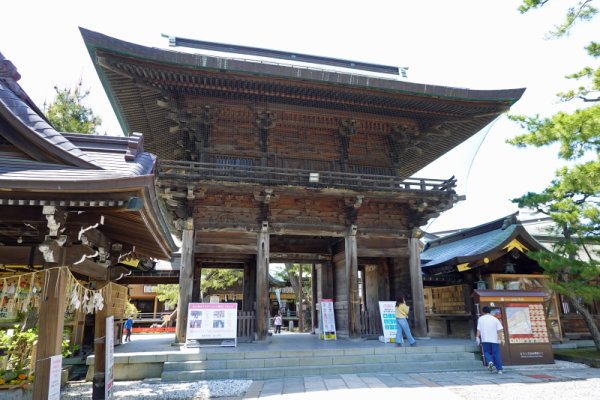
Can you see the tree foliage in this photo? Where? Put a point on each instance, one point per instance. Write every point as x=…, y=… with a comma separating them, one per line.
x=220, y=278
x=168, y=293
x=67, y=113
x=572, y=199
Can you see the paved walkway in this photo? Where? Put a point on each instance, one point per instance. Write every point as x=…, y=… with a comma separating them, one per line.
x=563, y=380
x=537, y=382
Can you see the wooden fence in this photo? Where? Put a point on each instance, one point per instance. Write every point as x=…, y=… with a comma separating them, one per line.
x=370, y=322
x=245, y=326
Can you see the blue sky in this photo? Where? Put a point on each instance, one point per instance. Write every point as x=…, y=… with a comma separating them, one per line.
x=478, y=44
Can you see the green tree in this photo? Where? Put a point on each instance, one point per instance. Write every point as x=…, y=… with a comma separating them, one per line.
x=220, y=278
x=572, y=199
x=67, y=113
x=291, y=273
x=168, y=293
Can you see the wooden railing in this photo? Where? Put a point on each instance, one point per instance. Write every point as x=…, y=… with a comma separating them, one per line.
x=196, y=171
x=245, y=326
x=370, y=324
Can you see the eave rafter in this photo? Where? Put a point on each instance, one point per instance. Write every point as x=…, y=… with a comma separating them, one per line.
x=157, y=77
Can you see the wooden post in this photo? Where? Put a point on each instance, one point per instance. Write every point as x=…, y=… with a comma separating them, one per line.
x=186, y=279
x=50, y=326
x=416, y=283
x=351, y=261
x=299, y=310
x=249, y=287
x=262, y=283
x=155, y=308
x=98, y=380
x=313, y=297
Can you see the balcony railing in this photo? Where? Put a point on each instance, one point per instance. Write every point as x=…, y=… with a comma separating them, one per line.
x=196, y=171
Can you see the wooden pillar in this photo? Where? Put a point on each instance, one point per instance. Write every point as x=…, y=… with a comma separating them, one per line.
x=262, y=283
x=351, y=275
x=299, y=310
x=416, y=283
x=155, y=307
x=313, y=297
x=196, y=293
x=186, y=279
x=248, y=303
x=98, y=380
x=50, y=325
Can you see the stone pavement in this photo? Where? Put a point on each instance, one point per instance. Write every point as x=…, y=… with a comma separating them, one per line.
x=581, y=383
x=540, y=382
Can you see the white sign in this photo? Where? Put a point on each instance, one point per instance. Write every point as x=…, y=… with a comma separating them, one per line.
x=387, y=310
x=54, y=381
x=109, y=351
x=212, y=321
x=328, y=319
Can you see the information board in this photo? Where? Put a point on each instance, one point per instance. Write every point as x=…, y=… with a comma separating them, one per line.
x=55, y=375
x=210, y=321
x=328, y=319
x=109, y=349
x=387, y=310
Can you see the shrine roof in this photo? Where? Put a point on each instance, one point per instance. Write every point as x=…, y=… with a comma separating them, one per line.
x=472, y=245
x=137, y=77
x=40, y=166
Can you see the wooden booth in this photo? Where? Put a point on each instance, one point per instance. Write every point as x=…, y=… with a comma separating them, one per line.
x=270, y=163
x=523, y=316
x=491, y=256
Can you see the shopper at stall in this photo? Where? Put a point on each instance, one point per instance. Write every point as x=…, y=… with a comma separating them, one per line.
x=490, y=336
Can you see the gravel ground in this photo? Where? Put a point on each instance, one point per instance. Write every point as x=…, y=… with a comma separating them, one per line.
x=573, y=390
x=151, y=389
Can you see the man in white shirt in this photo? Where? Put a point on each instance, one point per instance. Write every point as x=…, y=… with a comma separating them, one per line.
x=490, y=335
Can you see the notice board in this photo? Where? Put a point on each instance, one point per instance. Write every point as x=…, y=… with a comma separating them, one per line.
x=387, y=310
x=328, y=320
x=214, y=322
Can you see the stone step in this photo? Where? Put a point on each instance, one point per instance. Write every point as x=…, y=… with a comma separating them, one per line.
x=312, y=361
x=278, y=372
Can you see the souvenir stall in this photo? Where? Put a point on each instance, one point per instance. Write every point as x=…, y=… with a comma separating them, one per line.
x=492, y=256
x=523, y=316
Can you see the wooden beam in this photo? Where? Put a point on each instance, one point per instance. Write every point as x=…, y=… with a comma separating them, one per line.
x=186, y=279
x=299, y=257
x=91, y=269
x=50, y=325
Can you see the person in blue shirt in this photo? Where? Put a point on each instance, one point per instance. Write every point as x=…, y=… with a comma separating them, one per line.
x=128, y=326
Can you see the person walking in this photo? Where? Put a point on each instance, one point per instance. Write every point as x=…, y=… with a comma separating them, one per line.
x=278, y=320
x=128, y=327
x=490, y=335
x=402, y=323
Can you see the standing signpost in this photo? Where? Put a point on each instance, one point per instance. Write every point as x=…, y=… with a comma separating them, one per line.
x=109, y=357
x=328, y=320
x=387, y=310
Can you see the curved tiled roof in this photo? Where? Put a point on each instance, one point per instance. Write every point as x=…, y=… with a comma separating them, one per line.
x=136, y=78
x=474, y=244
x=28, y=131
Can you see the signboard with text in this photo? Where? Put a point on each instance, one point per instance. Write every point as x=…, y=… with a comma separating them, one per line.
x=328, y=319
x=212, y=321
x=387, y=310
x=54, y=381
x=109, y=354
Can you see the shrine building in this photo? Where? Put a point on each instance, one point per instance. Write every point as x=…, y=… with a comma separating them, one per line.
x=262, y=162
